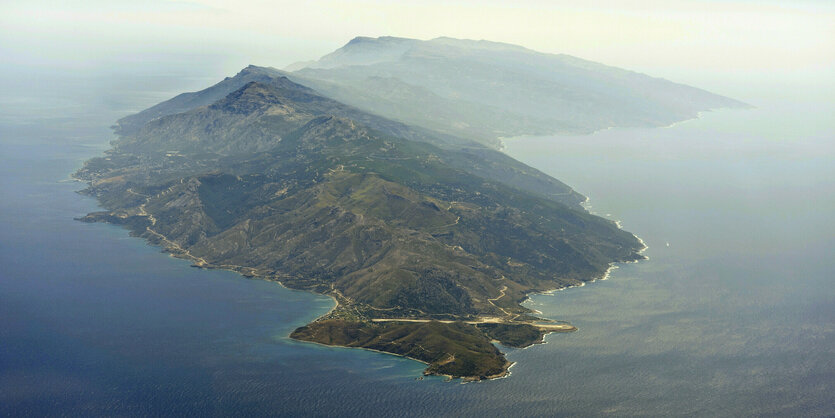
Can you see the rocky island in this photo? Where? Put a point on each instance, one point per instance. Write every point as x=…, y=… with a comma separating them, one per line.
x=428, y=240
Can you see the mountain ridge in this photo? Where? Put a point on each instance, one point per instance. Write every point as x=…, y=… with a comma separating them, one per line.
x=529, y=92
x=473, y=156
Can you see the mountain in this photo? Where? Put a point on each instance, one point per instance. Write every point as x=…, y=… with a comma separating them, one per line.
x=487, y=90
x=187, y=101
x=466, y=154
x=427, y=242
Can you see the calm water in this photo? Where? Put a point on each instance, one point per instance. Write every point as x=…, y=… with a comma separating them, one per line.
x=732, y=315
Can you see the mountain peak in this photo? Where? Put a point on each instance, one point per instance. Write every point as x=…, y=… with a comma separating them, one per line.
x=251, y=97
x=359, y=40
x=364, y=50
x=381, y=39
x=257, y=70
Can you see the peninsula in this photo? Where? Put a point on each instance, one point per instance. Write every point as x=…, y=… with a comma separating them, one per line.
x=428, y=241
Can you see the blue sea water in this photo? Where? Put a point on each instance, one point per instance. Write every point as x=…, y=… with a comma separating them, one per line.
x=732, y=315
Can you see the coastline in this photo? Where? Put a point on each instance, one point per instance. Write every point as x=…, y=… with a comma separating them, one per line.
x=505, y=372
x=503, y=147
x=612, y=266
x=175, y=250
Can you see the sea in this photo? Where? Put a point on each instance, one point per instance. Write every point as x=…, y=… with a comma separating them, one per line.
x=733, y=313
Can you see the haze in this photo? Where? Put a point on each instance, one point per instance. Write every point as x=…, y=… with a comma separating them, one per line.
x=731, y=315
x=688, y=41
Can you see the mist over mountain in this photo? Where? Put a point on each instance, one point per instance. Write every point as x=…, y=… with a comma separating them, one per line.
x=486, y=90
x=476, y=90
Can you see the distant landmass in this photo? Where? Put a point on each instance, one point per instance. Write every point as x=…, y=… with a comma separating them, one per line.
x=427, y=237
x=487, y=90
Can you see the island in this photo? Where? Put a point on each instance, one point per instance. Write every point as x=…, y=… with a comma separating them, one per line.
x=428, y=241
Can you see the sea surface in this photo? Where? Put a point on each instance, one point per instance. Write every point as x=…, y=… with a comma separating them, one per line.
x=732, y=315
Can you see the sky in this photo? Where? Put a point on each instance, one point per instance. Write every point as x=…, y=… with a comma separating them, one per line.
x=684, y=40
